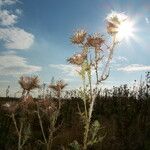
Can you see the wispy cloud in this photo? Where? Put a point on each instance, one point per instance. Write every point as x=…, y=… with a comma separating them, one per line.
x=16, y=38
x=7, y=2
x=147, y=20
x=12, y=64
x=7, y=18
x=4, y=81
x=116, y=62
x=18, y=11
x=70, y=70
x=134, y=68
x=121, y=59
x=117, y=59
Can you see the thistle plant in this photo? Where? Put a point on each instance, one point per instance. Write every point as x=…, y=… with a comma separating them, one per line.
x=48, y=109
x=57, y=89
x=28, y=84
x=7, y=91
x=52, y=111
x=88, y=59
x=21, y=125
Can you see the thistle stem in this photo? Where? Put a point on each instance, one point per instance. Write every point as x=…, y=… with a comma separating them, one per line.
x=88, y=118
x=41, y=125
x=19, y=131
x=111, y=49
x=84, y=91
x=96, y=65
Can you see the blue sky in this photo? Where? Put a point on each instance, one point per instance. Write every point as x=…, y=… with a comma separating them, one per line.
x=34, y=38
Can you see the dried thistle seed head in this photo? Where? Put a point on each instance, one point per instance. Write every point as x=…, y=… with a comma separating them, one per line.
x=60, y=85
x=95, y=41
x=78, y=37
x=29, y=83
x=10, y=107
x=113, y=22
x=77, y=59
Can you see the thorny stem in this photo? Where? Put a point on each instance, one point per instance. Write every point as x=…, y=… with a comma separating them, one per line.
x=49, y=141
x=19, y=131
x=59, y=99
x=41, y=125
x=88, y=119
x=96, y=65
x=87, y=123
x=85, y=49
x=84, y=91
x=19, y=142
x=90, y=83
x=14, y=121
x=111, y=49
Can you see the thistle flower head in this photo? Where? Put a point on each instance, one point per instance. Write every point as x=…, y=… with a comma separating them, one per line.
x=78, y=37
x=29, y=83
x=10, y=107
x=114, y=20
x=60, y=85
x=95, y=40
x=77, y=59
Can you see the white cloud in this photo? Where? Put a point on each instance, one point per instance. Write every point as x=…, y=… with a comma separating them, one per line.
x=147, y=20
x=7, y=2
x=117, y=59
x=18, y=11
x=6, y=18
x=13, y=37
x=134, y=68
x=121, y=58
x=16, y=38
x=15, y=65
x=70, y=70
x=4, y=81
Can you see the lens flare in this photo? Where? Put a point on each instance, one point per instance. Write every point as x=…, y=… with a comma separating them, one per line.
x=125, y=30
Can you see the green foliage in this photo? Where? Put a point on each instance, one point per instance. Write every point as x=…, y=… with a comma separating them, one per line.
x=74, y=146
x=95, y=136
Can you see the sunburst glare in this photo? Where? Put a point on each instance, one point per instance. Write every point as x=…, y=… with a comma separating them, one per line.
x=121, y=26
x=126, y=30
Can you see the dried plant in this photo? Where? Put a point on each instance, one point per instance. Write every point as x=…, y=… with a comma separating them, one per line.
x=86, y=63
x=58, y=87
x=77, y=59
x=7, y=91
x=22, y=130
x=45, y=107
x=28, y=83
x=95, y=41
x=52, y=110
x=22, y=127
x=78, y=37
x=114, y=20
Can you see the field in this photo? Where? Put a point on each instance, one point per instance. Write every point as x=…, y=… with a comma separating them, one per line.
x=123, y=116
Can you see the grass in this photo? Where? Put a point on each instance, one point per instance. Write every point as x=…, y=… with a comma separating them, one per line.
x=124, y=116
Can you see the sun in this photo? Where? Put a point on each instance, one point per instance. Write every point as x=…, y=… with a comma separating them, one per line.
x=120, y=25
x=125, y=30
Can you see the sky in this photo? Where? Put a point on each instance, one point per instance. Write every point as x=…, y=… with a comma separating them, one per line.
x=35, y=39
